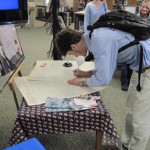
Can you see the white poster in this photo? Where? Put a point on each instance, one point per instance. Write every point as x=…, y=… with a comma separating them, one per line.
x=49, y=79
x=11, y=54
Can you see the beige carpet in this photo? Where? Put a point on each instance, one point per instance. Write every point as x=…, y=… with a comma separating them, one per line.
x=35, y=43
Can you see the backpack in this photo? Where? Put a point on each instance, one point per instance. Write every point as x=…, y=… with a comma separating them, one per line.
x=128, y=22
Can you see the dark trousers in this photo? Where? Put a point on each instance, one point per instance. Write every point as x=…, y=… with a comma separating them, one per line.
x=126, y=73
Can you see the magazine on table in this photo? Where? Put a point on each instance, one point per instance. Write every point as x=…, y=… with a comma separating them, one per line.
x=70, y=104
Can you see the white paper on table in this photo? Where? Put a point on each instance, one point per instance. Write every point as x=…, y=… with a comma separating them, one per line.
x=50, y=80
x=50, y=70
x=36, y=92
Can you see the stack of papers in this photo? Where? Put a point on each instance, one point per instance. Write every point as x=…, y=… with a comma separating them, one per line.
x=56, y=105
x=70, y=104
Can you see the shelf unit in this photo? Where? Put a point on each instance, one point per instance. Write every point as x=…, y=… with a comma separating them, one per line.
x=137, y=5
x=78, y=20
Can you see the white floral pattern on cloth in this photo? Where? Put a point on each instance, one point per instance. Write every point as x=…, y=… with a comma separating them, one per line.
x=32, y=120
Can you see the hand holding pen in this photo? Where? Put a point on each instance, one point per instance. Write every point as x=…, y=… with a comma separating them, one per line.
x=79, y=73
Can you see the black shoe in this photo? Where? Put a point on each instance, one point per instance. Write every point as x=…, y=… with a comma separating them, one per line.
x=124, y=147
x=112, y=147
x=124, y=87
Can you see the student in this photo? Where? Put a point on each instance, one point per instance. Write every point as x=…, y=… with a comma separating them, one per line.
x=104, y=45
x=144, y=11
x=93, y=11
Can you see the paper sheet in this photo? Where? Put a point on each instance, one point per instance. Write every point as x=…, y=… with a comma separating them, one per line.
x=50, y=81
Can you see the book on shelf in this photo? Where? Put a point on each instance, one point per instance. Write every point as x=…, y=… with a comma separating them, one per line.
x=81, y=25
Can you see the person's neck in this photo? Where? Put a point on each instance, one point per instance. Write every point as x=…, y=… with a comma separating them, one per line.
x=84, y=46
x=96, y=1
x=144, y=16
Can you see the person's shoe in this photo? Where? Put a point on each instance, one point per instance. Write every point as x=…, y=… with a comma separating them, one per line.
x=111, y=147
x=124, y=87
x=124, y=147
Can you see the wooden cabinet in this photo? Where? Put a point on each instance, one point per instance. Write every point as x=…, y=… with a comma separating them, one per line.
x=132, y=2
x=110, y=4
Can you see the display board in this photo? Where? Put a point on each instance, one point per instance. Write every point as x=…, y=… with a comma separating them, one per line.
x=11, y=54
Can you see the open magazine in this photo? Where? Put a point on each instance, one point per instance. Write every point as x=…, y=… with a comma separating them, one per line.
x=71, y=104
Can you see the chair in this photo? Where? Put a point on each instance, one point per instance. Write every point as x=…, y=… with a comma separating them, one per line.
x=31, y=144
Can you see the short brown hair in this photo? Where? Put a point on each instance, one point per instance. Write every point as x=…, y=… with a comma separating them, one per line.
x=65, y=38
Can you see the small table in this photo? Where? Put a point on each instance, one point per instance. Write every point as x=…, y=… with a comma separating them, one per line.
x=33, y=120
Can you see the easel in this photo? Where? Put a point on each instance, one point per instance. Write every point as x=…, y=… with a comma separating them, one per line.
x=10, y=83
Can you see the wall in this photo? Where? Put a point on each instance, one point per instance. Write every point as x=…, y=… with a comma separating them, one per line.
x=70, y=3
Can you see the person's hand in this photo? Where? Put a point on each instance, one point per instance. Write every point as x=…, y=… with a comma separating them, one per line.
x=78, y=81
x=80, y=73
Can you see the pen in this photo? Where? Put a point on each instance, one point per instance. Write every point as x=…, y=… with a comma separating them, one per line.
x=43, y=65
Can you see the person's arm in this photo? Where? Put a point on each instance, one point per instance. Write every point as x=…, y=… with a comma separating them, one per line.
x=78, y=82
x=105, y=51
x=86, y=18
x=106, y=7
x=82, y=74
x=148, y=19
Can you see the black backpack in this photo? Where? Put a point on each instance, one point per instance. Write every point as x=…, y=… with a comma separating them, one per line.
x=128, y=22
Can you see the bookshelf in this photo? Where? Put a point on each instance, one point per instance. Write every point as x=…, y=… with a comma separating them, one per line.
x=137, y=5
x=78, y=20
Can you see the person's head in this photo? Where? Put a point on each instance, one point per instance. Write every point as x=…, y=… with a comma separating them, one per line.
x=71, y=42
x=145, y=9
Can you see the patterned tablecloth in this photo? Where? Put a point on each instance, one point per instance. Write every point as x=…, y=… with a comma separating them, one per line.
x=33, y=120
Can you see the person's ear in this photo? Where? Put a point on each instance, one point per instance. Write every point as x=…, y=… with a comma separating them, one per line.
x=73, y=46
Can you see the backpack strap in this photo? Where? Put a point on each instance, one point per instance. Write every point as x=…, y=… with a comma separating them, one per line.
x=132, y=43
x=140, y=68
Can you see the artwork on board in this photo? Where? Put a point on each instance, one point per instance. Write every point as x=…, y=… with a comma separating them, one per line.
x=11, y=54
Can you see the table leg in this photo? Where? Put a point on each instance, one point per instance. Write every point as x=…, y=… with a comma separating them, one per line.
x=99, y=137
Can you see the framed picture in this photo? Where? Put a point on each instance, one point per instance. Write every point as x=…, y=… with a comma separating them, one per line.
x=11, y=54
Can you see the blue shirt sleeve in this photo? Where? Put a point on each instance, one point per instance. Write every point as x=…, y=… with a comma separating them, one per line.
x=148, y=19
x=86, y=17
x=105, y=56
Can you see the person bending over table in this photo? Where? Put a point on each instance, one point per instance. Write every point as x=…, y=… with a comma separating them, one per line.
x=104, y=45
